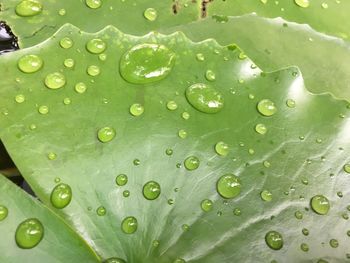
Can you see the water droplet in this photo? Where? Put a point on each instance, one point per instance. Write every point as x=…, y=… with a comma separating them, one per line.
x=101, y=211
x=67, y=101
x=66, y=42
x=43, y=109
x=267, y=164
x=3, y=212
x=126, y=193
x=121, y=179
x=171, y=105
x=93, y=70
x=290, y=103
x=129, y=225
x=237, y=212
x=155, y=243
x=96, y=46
x=30, y=63
x=185, y=115
x=333, y=243
x=304, y=247
x=305, y=231
x=62, y=12
x=146, y=63
x=222, y=148
x=324, y=5
x=191, y=163
x=242, y=56
x=29, y=233
x=93, y=4
x=204, y=98
x=169, y=151
x=29, y=8
x=261, y=128
x=179, y=260
x=136, y=109
x=298, y=215
x=55, y=80
x=320, y=204
x=102, y=57
x=200, y=57
x=228, y=186
x=20, y=98
x=266, y=107
x=185, y=227
x=106, y=134
x=151, y=190
x=80, y=87
x=274, y=240
x=150, y=14
x=210, y=75
x=340, y=194
x=69, y=63
x=182, y=134
x=136, y=162
x=114, y=260
x=207, y=205
x=347, y=168
x=61, y=196
x=302, y=3
x=51, y=156
x=266, y=195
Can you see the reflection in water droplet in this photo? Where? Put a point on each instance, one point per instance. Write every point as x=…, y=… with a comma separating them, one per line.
x=266, y=107
x=207, y=205
x=3, y=212
x=93, y=4
x=151, y=190
x=29, y=233
x=274, y=240
x=61, y=196
x=204, y=98
x=51, y=156
x=28, y=8
x=55, y=80
x=320, y=204
x=222, y=148
x=121, y=179
x=66, y=42
x=129, y=225
x=96, y=46
x=30, y=63
x=146, y=63
x=228, y=186
x=150, y=14
x=191, y=163
x=106, y=134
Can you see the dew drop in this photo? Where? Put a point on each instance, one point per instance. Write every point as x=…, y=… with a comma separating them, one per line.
x=151, y=190
x=114, y=260
x=304, y=247
x=61, y=196
x=129, y=225
x=185, y=115
x=136, y=109
x=20, y=98
x=136, y=162
x=121, y=179
x=207, y=205
x=320, y=204
x=302, y=3
x=222, y=148
x=266, y=107
x=261, y=128
x=80, y=87
x=170, y=201
x=305, y=231
x=298, y=215
x=55, y=80
x=146, y=63
x=67, y=101
x=179, y=260
x=204, y=98
x=150, y=14
x=69, y=63
x=101, y=211
x=274, y=240
x=30, y=63
x=200, y=57
x=169, y=151
x=29, y=233
x=43, y=109
x=93, y=70
x=266, y=196
x=29, y=8
x=3, y=212
x=106, y=134
x=96, y=46
x=191, y=163
x=334, y=243
x=93, y=4
x=62, y=12
x=290, y=103
x=66, y=42
x=228, y=186
x=182, y=134
x=126, y=193
x=210, y=75
x=155, y=243
x=171, y=105
x=237, y=212
x=102, y=57
x=185, y=227
x=52, y=156
x=347, y=168
x=324, y=5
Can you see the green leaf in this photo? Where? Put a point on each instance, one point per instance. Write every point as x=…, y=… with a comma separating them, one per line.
x=59, y=244
x=88, y=134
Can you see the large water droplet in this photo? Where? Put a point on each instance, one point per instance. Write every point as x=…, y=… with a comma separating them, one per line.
x=55, y=80
x=228, y=186
x=274, y=240
x=207, y=205
x=320, y=204
x=106, y=134
x=266, y=107
x=146, y=63
x=204, y=98
x=151, y=190
x=150, y=14
x=29, y=233
x=129, y=225
x=61, y=196
x=30, y=63
x=222, y=148
x=121, y=179
x=29, y=8
x=93, y=4
x=3, y=212
x=192, y=163
x=96, y=46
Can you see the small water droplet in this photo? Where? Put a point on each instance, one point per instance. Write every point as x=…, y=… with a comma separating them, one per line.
x=67, y=101
x=191, y=163
x=274, y=240
x=237, y=212
x=169, y=151
x=66, y=42
x=185, y=227
x=146, y=63
x=96, y=46
x=304, y=247
x=185, y=115
x=102, y=57
x=155, y=243
x=179, y=260
x=171, y=105
x=69, y=63
x=106, y=134
x=151, y=190
x=55, y=80
x=302, y=3
x=80, y=87
x=150, y=14
x=266, y=196
x=267, y=164
x=200, y=57
x=333, y=243
x=30, y=63
x=43, y=109
x=210, y=75
x=228, y=186
x=324, y=5
x=347, y=168
x=305, y=231
x=93, y=4
x=101, y=211
x=251, y=96
x=266, y=107
x=126, y=193
x=242, y=56
x=51, y=156
x=136, y=162
x=261, y=128
x=298, y=215
x=3, y=212
x=320, y=204
x=29, y=8
x=129, y=225
x=222, y=148
x=207, y=205
x=121, y=179
x=62, y=12
x=136, y=109
x=29, y=233
x=61, y=196
x=20, y=98
x=114, y=260
x=290, y=103
x=93, y=71
x=182, y=134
